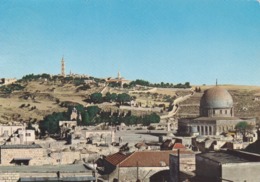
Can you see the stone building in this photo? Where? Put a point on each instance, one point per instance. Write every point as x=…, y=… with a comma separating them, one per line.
x=7, y=81
x=6, y=131
x=146, y=166
x=216, y=115
x=65, y=157
x=16, y=134
x=22, y=137
x=229, y=165
x=82, y=135
x=74, y=172
x=120, y=80
x=22, y=155
x=66, y=127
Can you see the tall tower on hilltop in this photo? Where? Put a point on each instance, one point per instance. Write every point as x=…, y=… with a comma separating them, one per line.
x=118, y=75
x=63, y=67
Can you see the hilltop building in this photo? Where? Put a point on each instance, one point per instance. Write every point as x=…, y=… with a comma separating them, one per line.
x=119, y=79
x=7, y=81
x=216, y=115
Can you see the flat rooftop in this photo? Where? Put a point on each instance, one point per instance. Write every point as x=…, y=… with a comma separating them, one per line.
x=54, y=179
x=74, y=168
x=231, y=156
x=20, y=146
x=223, y=158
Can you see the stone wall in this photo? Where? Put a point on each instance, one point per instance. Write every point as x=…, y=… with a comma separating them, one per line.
x=241, y=172
x=156, y=109
x=37, y=154
x=9, y=177
x=65, y=157
x=14, y=177
x=51, y=143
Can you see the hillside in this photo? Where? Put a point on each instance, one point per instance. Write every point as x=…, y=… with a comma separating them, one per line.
x=33, y=99
x=245, y=103
x=38, y=99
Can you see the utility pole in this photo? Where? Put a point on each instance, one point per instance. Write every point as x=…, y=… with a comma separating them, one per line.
x=137, y=172
x=118, y=176
x=178, y=165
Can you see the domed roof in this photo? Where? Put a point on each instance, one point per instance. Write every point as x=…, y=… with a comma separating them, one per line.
x=216, y=97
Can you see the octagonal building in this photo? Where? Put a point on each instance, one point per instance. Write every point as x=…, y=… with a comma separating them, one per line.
x=216, y=115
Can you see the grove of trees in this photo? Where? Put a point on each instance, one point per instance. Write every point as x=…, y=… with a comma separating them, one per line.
x=120, y=98
x=161, y=85
x=92, y=115
x=7, y=89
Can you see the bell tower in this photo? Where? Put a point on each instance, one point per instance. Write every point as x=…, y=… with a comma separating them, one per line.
x=63, y=67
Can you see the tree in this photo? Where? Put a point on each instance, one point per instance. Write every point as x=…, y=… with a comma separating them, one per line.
x=113, y=97
x=123, y=98
x=108, y=97
x=162, y=84
x=244, y=128
x=187, y=84
x=96, y=97
x=92, y=111
x=85, y=119
x=131, y=120
x=114, y=84
x=104, y=117
x=152, y=118
x=125, y=85
x=50, y=123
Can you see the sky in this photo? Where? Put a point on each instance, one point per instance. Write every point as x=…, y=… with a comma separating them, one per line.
x=172, y=41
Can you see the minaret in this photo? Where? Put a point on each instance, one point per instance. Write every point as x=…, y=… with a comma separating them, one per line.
x=63, y=67
x=118, y=75
x=119, y=79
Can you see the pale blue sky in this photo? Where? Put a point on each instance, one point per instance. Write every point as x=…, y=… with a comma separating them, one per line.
x=156, y=40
